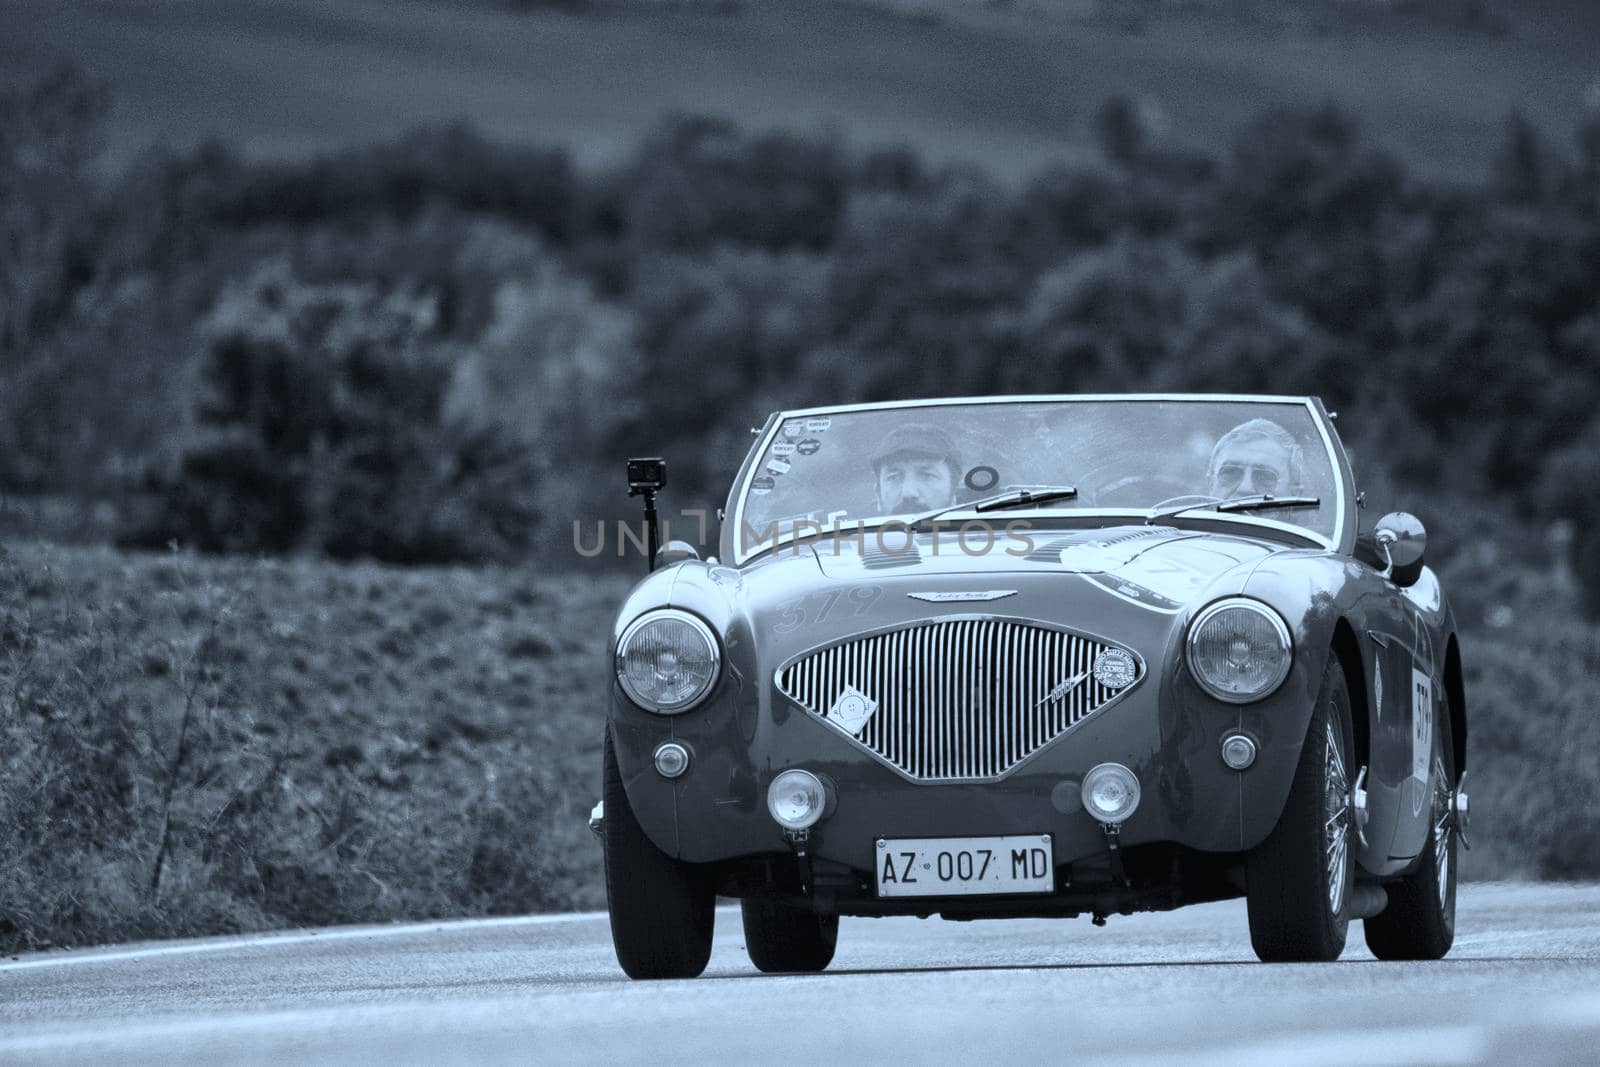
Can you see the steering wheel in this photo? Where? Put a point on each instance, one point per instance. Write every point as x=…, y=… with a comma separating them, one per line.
x=1135, y=490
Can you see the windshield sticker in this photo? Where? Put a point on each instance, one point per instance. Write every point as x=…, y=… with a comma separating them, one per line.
x=783, y=448
x=762, y=486
x=981, y=479
x=777, y=465
x=808, y=447
x=818, y=425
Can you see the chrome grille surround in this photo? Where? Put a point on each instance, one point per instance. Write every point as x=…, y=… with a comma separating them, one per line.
x=961, y=697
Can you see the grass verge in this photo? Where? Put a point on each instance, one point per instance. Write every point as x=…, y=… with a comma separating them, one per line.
x=194, y=745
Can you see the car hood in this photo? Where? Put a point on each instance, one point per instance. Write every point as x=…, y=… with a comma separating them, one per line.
x=1131, y=586
x=1160, y=566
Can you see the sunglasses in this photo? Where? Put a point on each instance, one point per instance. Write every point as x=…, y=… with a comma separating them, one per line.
x=1265, y=479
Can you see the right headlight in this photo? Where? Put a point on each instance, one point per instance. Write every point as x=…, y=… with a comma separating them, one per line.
x=1239, y=650
x=667, y=661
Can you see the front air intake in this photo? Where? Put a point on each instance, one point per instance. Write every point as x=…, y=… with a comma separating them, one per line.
x=958, y=699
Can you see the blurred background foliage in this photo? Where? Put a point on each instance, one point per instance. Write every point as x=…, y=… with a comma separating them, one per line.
x=435, y=349
x=438, y=350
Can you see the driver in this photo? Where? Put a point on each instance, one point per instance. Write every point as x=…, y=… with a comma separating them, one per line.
x=1254, y=458
x=916, y=468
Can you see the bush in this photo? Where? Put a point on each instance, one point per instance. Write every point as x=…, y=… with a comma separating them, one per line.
x=664, y=301
x=698, y=182
x=326, y=429
x=50, y=137
x=451, y=166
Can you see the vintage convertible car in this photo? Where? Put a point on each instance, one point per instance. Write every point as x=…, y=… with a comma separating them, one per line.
x=1036, y=656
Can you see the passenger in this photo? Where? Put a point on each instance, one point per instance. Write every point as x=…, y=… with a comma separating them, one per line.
x=1255, y=458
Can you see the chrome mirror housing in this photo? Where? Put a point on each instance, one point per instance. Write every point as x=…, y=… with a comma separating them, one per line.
x=1402, y=540
x=675, y=552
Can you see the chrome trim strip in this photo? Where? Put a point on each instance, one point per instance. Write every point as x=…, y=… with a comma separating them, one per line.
x=1043, y=398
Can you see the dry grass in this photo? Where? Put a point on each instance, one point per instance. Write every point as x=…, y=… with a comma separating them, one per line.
x=363, y=743
x=341, y=743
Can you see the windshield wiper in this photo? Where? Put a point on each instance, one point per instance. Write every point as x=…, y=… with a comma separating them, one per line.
x=1011, y=498
x=1264, y=502
x=1023, y=497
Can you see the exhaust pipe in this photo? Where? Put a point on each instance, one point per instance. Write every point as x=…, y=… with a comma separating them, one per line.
x=1366, y=900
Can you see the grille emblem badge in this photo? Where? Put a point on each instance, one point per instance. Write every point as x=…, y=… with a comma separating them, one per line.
x=1062, y=689
x=852, y=709
x=959, y=596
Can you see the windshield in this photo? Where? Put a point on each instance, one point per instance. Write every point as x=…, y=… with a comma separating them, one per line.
x=1125, y=457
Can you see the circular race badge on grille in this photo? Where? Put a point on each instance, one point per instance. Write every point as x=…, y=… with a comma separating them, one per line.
x=1114, y=669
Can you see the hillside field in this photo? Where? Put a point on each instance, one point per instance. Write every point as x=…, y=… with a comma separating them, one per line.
x=1011, y=84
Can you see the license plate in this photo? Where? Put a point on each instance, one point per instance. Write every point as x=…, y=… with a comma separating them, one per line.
x=965, y=866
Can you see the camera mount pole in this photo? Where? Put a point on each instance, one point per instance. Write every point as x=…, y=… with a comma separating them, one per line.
x=651, y=525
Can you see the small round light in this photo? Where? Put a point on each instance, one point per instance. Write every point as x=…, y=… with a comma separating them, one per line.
x=1110, y=792
x=1238, y=751
x=1115, y=669
x=1239, y=650
x=796, y=799
x=668, y=661
x=672, y=759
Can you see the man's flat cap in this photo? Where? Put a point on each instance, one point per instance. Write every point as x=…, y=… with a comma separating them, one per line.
x=917, y=439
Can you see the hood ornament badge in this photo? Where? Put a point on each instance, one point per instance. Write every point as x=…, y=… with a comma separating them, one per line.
x=962, y=596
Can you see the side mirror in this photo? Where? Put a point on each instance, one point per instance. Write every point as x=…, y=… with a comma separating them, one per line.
x=1402, y=541
x=675, y=552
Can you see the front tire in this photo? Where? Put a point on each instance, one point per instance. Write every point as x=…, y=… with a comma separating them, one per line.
x=662, y=909
x=1299, y=879
x=1420, y=920
x=783, y=938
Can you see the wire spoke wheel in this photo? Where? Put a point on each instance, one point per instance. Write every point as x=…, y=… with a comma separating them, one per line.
x=1419, y=922
x=1336, y=828
x=1297, y=880
x=1444, y=828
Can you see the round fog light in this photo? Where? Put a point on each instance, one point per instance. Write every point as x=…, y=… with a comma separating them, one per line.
x=672, y=759
x=1110, y=792
x=796, y=799
x=1238, y=751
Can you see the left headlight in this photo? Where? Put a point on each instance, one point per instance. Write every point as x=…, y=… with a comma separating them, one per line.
x=667, y=661
x=1239, y=650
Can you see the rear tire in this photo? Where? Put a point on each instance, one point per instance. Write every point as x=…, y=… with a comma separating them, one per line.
x=783, y=938
x=1420, y=921
x=1298, y=880
x=662, y=909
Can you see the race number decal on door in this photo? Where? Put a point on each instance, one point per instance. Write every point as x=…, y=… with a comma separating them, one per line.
x=1421, y=724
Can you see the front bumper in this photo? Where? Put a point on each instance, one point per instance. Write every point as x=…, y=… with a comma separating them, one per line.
x=1165, y=731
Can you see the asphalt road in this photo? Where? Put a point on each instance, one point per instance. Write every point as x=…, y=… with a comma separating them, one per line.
x=1523, y=984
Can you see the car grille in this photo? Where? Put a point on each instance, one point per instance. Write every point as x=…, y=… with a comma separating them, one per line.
x=956, y=698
